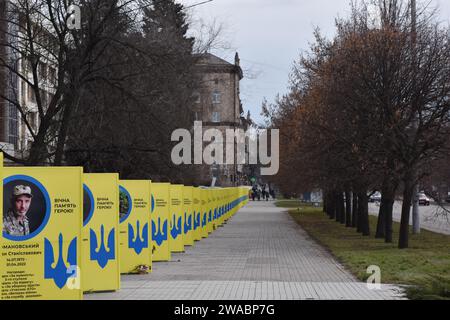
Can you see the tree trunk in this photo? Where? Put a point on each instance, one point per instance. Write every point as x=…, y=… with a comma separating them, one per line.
x=337, y=206
x=38, y=151
x=403, y=241
x=64, y=128
x=363, y=206
x=341, y=207
x=331, y=206
x=358, y=218
x=62, y=136
x=381, y=227
x=379, y=234
x=355, y=210
x=389, y=199
x=348, y=209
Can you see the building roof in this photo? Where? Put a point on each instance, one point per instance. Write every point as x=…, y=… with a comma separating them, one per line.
x=210, y=59
x=213, y=62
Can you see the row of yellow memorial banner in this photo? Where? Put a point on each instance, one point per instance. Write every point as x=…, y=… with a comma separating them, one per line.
x=66, y=233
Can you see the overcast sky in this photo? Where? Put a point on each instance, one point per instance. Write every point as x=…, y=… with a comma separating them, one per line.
x=270, y=34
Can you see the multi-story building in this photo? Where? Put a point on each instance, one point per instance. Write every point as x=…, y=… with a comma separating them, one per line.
x=8, y=85
x=218, y=105
x=17, y=97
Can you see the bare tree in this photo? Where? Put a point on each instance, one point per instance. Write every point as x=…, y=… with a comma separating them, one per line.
x=55, y=62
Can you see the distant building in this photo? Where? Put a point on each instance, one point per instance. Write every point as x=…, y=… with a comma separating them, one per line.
x=218, y=105
x=8, y=86
x=15, y=93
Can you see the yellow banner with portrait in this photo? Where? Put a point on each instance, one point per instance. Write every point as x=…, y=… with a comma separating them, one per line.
x=160, y=221
x=176, y=218
x=100, y=245
x=204, y=212
x=41, y=238
x=197, y=209
x=188, y=216
x=135, y=230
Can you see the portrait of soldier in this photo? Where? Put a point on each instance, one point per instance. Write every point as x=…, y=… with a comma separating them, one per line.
x=15, y=220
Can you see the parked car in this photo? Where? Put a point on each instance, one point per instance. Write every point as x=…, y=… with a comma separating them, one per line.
x=448, y=199
x=423, y=200
x=376, y=197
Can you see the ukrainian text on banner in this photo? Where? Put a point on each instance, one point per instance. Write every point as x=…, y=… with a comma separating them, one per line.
x=160, y=221
x=100, y=254
x=223, y=200
x=204, y=212
x=42, y=217
x=176, y=218
x=135, y=231
x=197, y=209
x=215, y=211
x=188, y=216
x=209, y=203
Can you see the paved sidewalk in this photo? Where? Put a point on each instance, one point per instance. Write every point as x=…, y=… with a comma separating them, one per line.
x=260, y=254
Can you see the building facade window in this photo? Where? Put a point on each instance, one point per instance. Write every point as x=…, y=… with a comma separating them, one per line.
x=31, y=95
x=43, y=70
x=216, y=97
x=215, y=117
x=52, y=76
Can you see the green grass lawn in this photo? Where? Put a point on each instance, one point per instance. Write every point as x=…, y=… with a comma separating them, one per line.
x=425, y=265
x=285, y=203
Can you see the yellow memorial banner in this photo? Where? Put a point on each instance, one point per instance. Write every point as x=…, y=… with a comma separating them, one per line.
x=42, y=220
x=1, y=186
x=216, y=200
x=188, y=216
x=160, y=221
x=213, y=209
x=210, y=202
x=176, y=218
x=221, y=207
x=135, y=232
x=228, y=204
x=234, y=202
x=100, y=244
x=204, y=212
x=218, y=203
x=197, y=209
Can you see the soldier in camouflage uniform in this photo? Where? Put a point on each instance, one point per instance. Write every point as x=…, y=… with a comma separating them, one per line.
x=15, y=220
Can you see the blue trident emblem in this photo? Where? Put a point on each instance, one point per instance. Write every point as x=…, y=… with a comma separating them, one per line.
x=177, y=228
x=197, y=220
x=204, y=220
x=159, y=235
x=187, y=223
x=61, y=272
x=137, y=242
x=103, y=254
x=210, y=216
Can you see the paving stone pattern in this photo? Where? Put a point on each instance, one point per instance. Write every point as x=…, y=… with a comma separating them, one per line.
x=260, y=254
